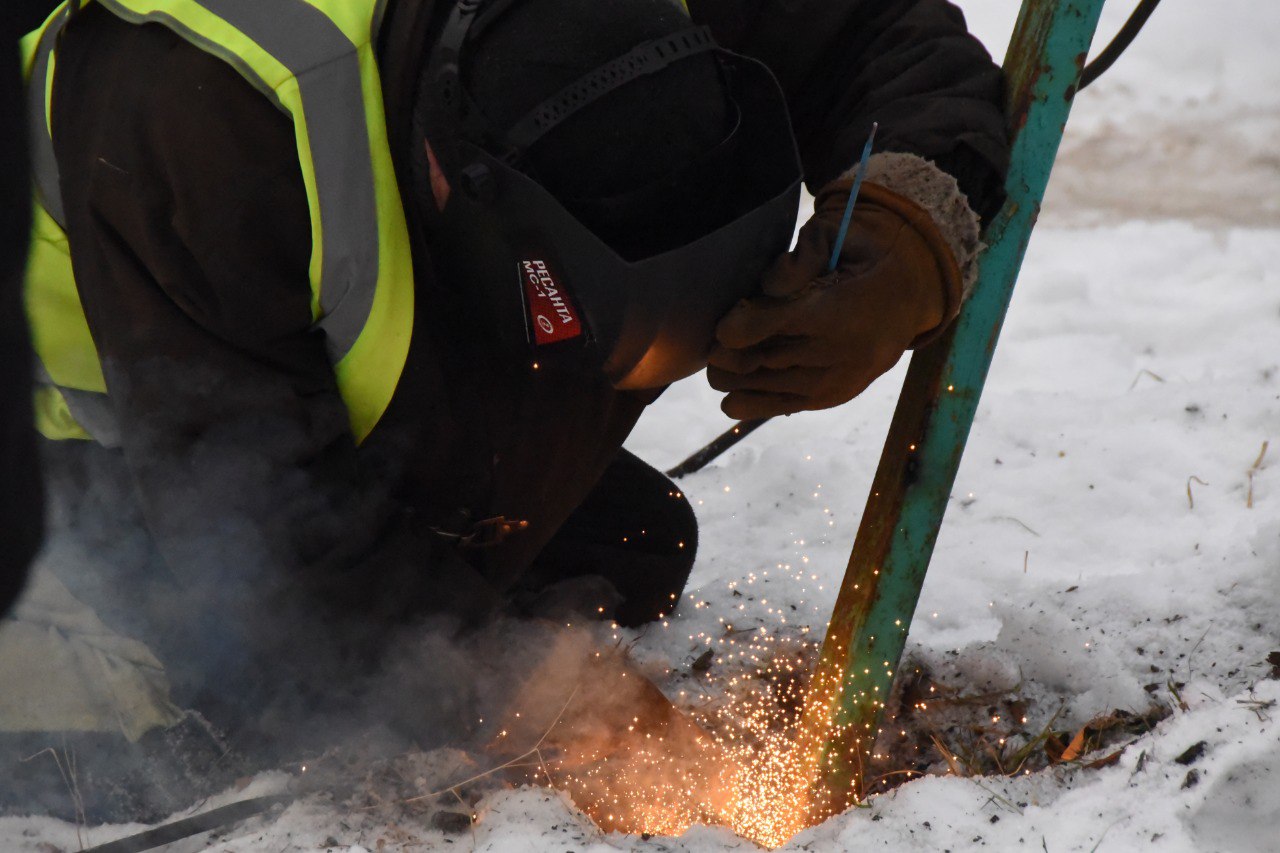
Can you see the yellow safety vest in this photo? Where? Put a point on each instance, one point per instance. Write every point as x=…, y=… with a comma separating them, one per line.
x=314, y=59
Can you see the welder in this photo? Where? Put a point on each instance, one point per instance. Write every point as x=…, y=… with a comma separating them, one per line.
x=344, y=310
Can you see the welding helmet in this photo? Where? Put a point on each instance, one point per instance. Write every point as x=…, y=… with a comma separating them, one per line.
x=635, y=295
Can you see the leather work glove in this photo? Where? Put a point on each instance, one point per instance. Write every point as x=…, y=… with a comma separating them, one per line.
x=814, y=340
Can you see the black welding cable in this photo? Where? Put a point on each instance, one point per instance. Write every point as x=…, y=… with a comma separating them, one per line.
x=723, y=442
x=187, y=827
x=1119, y=44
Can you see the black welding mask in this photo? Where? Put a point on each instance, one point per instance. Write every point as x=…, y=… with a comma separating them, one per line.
x=636, y=296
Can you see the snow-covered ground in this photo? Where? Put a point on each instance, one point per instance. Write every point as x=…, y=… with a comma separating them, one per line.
x=1100, y=551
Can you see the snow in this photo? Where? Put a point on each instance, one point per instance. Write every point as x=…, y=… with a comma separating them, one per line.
x=1099, y=546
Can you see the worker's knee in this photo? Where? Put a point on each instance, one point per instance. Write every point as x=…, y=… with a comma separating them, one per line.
x=663, y=549
x=650, y=587
x=637, y=531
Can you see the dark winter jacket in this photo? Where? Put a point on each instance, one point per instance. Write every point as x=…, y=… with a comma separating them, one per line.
x=190, y=239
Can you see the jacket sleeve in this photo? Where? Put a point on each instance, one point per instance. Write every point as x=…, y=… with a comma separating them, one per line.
x=911, y=65
x=190, y=238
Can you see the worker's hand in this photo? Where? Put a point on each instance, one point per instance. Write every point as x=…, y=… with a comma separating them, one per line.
x=816, y=339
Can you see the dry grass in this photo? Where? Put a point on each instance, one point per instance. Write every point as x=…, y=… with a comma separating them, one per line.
x=1191, y=501
x=1254, y=469
x=934, y=729
x=66, y=764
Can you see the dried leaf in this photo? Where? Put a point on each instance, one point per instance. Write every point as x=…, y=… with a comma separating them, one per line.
x=1105, y=761
x=1174, y=687
x=1193, y=753
x=1108, y=721
x=1076, y=748
x=1055, y=744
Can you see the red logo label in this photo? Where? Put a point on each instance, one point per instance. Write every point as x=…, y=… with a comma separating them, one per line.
x=551, y=313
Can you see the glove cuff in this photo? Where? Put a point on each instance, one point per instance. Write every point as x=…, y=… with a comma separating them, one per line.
x=924, y=183
x=919, y=220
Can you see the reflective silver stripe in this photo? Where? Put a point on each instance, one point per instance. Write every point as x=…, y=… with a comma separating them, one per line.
x=327, y=68
x=91, y=410
x=44, y=167
x=94, y=414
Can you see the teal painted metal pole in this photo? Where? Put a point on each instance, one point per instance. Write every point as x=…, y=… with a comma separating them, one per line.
x=935, y=411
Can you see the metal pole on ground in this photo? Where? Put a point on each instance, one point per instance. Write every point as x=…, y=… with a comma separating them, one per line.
x=909, y=495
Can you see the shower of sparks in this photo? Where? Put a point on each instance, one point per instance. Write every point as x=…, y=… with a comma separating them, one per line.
x=758, y=725
x=751, y=762
x=747, y=772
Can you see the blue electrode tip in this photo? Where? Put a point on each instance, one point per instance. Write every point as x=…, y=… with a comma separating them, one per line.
x=853, y=198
